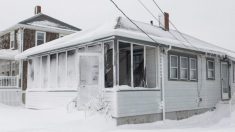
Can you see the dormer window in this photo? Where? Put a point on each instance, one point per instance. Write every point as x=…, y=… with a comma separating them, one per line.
x=12, y=40
x=40, y=37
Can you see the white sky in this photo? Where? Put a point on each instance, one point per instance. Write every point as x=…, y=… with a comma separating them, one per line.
x=210, y=20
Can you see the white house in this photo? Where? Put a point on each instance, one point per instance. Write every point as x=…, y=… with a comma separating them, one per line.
x=143, y=79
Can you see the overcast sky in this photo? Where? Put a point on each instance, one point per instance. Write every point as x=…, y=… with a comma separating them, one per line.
x=210, y=20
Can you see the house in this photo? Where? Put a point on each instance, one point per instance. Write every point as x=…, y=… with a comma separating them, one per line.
x=142, y=78
x=26, y=34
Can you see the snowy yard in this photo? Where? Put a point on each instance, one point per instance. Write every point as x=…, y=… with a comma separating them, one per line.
x=19, y=119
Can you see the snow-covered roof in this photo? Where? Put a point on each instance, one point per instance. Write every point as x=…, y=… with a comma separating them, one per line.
x=8, y=54
x=123, y=27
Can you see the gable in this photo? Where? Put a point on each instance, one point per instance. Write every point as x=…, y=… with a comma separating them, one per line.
x=43, y=20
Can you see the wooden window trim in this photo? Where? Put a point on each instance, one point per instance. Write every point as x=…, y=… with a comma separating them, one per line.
x=36, y=37
x=207, y=68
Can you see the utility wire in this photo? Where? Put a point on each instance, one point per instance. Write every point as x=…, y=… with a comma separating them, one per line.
x=133, y=22
x=181, y=34
x=158, y=20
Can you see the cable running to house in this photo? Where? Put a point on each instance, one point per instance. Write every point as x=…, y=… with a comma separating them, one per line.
x=181, y=34
x=158, y=20
x=133, y=22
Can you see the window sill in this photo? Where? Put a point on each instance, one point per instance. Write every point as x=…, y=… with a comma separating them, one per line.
x=127, y=88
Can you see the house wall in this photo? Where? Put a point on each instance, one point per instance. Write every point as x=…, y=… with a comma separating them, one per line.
x=5, y=41
x=29, y=42
x=184, y=95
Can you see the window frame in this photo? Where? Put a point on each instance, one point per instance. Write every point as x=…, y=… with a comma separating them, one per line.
x=173, y=67
x=207, y=68
x=190, y=69
x=36, y=37
x=180, y=68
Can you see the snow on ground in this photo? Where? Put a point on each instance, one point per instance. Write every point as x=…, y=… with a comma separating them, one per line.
x=19, y=119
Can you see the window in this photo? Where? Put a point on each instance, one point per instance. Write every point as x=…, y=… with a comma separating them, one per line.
x=173, y=67
x=61, y=70
x=108, y=60
x=124, y=63
x=151, y=67
x=53, y=70
x=40, y=37
x=12, y=40
x=71, y=66
x=210, y=69
x=138, y=66
x=233, y=72
x=183, y=68
x=44, y=72
x=193, y=68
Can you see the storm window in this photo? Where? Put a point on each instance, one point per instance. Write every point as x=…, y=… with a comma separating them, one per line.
x=151, y=67
x=53, y=71
x=138, y=66
x=108, y=60
x=173, y=67
x=61, y=70
x=193, y=68
x=183, y=68
x=211, y=69
x=124, y=63
x=40, y=37
x=44, y=72
x=71, y=66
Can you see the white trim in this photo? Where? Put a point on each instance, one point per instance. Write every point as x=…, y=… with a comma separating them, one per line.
x=174, y=67
x=36, y=37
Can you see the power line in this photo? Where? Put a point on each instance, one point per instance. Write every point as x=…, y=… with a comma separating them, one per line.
x=157, y=19
x=181, y=34
x=133, y=22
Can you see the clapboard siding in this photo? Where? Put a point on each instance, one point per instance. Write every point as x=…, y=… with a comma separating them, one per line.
x=46, y=100
x=10, y=97
x=132, y=103
x=183, y=95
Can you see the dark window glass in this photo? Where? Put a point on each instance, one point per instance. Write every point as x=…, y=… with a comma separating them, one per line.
x=124, y=63
x=108, y=60
x=138, y=66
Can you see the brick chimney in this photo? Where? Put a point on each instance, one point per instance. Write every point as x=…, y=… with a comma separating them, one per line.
x=37, y=10
x=164, y=21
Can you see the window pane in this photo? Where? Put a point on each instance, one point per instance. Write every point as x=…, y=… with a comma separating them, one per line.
x=210, y=64
x=138, y=66
x=124, y=63
x=37, y=78
x=151, y=67
x=193, y=74
x=183, y=62
x=211, y=74
x=40, y=38
x=174, y=61
x=61, y=70
x=193, y=64
x=71, y=66
x=44, y=72
x=183, y=73
x=31, y=73
x=53, y=74
x=174, y=73
x=108, y=60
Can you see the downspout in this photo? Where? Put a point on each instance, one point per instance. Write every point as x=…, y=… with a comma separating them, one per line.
x=163, y=83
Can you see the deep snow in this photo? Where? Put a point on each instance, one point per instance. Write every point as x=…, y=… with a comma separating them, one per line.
x=19, y=119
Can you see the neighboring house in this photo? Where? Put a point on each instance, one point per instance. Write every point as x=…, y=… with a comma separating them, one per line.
x=143, y=80
x=26, y=34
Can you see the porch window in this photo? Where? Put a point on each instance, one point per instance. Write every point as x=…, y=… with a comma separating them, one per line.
x=193, y=68
x=40, y=37
x=138, y=66
x=151, y=66
x=30, y=73
x=53, y=70
x=71, y=72
x=37, y=72
x=183, y=68
x=44, y=71
x=210, y=69
x=108, y=60
x=173, y=67
x=61, y=70
x=124, y=63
